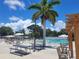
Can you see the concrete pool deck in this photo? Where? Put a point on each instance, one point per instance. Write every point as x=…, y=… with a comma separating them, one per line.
x=43, y=54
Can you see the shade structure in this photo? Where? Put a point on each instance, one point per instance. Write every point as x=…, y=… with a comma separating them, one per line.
x=19, y=34
x=75, y=25
x=63, y=35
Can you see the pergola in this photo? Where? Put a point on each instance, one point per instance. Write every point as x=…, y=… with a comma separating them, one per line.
x=72, y=26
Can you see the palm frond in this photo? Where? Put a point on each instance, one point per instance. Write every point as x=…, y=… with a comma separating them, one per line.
x=44, y=2
x=53, y=13
x=35, y=6
x=36, y=15
x=51, y=17
x=53, y=3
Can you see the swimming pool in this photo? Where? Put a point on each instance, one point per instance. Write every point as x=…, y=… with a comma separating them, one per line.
x=56, y=40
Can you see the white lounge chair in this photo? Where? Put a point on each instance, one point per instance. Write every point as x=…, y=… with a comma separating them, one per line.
x=61, y=55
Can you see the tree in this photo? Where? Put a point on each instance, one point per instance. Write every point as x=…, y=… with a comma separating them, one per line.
x=36, y=31
x=54, y=33
x=63, y=31
x=23, y=31
x=51, y=33
x=6, y=31
x=48, y=32
x=45, y=12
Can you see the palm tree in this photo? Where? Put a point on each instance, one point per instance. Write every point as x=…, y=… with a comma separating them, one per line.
x=45, y=12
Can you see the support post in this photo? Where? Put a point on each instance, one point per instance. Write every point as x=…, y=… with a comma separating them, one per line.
x=70, y=43
x=76, y=36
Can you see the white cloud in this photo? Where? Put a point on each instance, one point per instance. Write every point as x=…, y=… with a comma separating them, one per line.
x=51, y=24
x=13, y=4
x=58, y=25
x=1, y=24
x=51, y=28
x=20, y=24
x=39, y=24
x=47, y=27
x=14, y=18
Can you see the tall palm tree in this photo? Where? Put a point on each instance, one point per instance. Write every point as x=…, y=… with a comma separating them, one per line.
x=45, y=12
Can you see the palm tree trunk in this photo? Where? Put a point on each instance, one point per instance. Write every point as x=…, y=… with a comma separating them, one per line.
x=35, y=37
x=44, y=34
x=34, y=44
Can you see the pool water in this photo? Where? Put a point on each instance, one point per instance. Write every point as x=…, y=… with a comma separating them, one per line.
x=57, y=40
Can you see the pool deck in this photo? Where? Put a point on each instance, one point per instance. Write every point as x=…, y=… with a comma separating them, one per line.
x=43, y=54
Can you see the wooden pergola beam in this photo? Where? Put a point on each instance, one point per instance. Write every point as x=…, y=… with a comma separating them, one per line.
x=72, y=15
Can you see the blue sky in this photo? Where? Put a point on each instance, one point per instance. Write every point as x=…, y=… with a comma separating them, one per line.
x=16, y=10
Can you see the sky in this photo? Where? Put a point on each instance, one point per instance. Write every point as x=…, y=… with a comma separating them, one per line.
x=14, y=13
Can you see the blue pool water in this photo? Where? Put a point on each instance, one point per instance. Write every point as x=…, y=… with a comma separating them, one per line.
x=57, y=40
